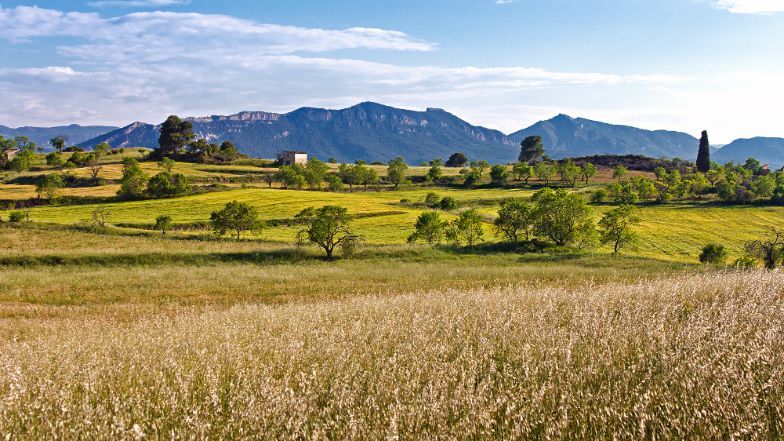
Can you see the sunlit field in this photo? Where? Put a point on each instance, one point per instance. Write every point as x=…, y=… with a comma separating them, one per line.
x=686, y=357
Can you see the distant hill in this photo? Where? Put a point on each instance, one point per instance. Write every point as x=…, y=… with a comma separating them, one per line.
x=564, y=136
x=368, y=131
x=766, y=150
x=76, y=134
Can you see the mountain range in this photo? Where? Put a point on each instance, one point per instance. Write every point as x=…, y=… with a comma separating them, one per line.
x=375, y=132
x=75, y=134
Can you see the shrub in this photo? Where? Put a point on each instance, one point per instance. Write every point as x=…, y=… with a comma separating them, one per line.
x=713, y=253
x=745, y=262
x=16, y=217
x=429, y=227
x=599, y=196
x=448, y=203
x=432, y=200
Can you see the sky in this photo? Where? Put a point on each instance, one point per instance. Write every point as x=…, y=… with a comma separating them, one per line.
x=685, y=65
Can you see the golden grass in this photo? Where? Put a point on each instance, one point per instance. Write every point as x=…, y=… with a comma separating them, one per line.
x=696, y=356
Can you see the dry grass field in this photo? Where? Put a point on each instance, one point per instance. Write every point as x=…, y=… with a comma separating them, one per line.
x=680, y=357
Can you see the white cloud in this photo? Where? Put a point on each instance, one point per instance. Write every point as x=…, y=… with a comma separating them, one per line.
x=137, y=3
x=147, y=65
x=751, y=6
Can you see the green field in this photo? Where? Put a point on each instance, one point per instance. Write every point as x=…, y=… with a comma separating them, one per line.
x=670, y=231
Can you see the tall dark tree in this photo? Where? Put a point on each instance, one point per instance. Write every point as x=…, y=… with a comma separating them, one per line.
x=703, y=155
x=175, y=135
x=58, y=142
x=531, y=149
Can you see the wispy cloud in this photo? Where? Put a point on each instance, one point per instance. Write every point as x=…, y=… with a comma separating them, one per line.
x=137, y=3
x=751, y=6
x=146, y=65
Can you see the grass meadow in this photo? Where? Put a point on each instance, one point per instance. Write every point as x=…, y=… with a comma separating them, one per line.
x=124, y=333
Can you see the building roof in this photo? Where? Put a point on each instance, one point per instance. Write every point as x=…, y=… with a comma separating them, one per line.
x=296, y=152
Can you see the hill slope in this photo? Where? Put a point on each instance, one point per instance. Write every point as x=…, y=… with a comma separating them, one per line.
x=76, y=134
x=767, y=150
x=367, y=131
x=565, y=136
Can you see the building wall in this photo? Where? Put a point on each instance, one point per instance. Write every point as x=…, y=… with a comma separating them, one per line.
x=291, y=158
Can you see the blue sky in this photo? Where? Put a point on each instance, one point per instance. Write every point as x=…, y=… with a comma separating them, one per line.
x=683, y=65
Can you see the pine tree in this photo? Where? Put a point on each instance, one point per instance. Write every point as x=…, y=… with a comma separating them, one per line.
x=531, y=149
x=703, y=156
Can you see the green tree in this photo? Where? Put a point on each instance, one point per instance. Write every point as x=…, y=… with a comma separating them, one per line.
x=49, y=185
x=587, y=171
x=434, y=174
x=167, y=164
x=531, y=149
x=327, y=227
x=58, y=143
x=457, y=160
x=314, y=173
x=438, y=162
x=175, y=135
x=429, y=227
x=619, y=172
x=563, y=217
x=713, y=253
x=466, y=228
x=163, y=223
x=333, y=182
x=134, y=181
x=396, y=171
x=569, y=172
x=432, y=200
x=167, y=184
x=703, y=155
x=515, y=220
x=102, y=149
x=616, y=227
x=498, y=175
x=523, y=172
x=237, y=217
x=54, y=159
x=23, y=160
x=228, y=152
x=292, y=176
x=544, y=172
x=448, y=203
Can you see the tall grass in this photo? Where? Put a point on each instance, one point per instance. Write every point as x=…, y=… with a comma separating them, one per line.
x=694, y=356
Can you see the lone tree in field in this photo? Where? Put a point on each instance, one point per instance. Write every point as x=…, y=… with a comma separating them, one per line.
x=429, y=227
x=326, y=227
x=133, y=181
x=457, y=160
x=703, y=155
x=175, y=135
x=531, y=149
x=236, y=217
x=466, y=228
x=163, y=223
x=617, y=227
x=523, y=172
x=515, y=220
x=49, y=185
x=563, y=217
x=58, y=143
x=396, y=171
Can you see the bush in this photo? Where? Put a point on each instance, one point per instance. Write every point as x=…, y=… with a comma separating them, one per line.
x=745, y=262
x=448, y=203
x=599, y=196
x=713, y=253
x=16, y=217
x=432, y=200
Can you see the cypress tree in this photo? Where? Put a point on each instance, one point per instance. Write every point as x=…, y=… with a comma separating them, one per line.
x=703, y=155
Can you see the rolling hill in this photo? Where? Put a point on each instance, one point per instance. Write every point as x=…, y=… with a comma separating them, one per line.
x=766, y=150
x=565, y=136
x=76, y=134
